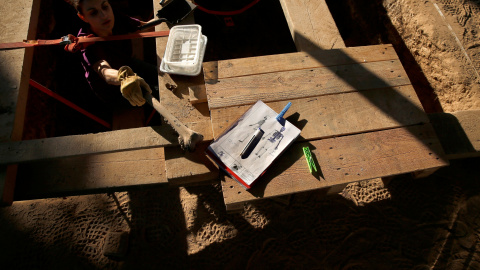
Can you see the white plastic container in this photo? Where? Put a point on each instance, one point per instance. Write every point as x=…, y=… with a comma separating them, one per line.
x=185, y=50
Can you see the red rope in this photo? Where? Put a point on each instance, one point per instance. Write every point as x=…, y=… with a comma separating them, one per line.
x=69, y=103
x=228, y=13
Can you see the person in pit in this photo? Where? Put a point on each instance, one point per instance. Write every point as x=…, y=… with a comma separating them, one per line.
x=109, y=66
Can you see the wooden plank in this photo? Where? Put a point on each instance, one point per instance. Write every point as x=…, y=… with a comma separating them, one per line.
x=186, y=168
x=300, y=60
x=344, y=160
x=77, y=145
x=459, y=133
x=341, y=114
x=311, y=25
x=198, y=93
x=289, y=85
x=14, y=75
x=90, y=174
x=177, y=101
x=194, y=115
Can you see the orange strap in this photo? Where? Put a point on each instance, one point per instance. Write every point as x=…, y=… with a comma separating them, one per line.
x=65, y=40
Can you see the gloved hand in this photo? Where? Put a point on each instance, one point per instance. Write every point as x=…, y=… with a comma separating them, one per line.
x=131, y=86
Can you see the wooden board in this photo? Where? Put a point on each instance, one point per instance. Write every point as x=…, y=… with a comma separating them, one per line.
x=311, y=25
x=198, y=93
x=177, y=101
x=196, y=116
x=342, y=114
x=343, y=160
x=459, y=133
x=185, y=168
x=287, y=85
x=299, y=60
x=77, y=145
x=90, y=174
x=15, y=67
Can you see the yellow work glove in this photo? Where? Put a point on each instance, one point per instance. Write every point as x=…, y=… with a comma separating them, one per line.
x=131, y=86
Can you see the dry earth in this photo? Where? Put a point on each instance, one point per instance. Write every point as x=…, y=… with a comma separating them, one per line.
x=432, y=223
x=449, y=56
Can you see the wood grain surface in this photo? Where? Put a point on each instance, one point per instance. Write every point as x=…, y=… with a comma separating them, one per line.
x=91, y=174
x=89, y=144
x=292, y=84
x=340, y=114
x=298, y=60
x=311, y=25
x=343, y=160
x=19, y=19
x=195, y=115
x=189, y=168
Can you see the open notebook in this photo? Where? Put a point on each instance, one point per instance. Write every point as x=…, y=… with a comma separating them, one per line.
x=250, y=145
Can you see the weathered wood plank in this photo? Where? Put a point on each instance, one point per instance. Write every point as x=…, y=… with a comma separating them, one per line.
x=177, y=100
x=459, y=133
x=342, y=114
x=186, y=168
x=311, y=25
x=194, y=115
x=15, y=67
x=289, y=85
x=344, y=160
x=299, y=60
x=198, y=93
x=77, y=145
x=90, y=174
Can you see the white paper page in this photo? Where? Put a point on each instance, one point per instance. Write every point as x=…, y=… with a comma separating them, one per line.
x=275, y=139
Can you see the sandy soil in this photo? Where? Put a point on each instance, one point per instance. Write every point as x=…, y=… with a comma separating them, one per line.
x=448, y=56
x=431, y=223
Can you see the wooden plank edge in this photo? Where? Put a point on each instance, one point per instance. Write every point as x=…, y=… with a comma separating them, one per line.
x=458, y=132
x=197, y=94
x=306, y=32
x=87, y=191
x=8, y=173
x=233, y=208
x=194, y=180
x=414, y=105
x=439, y=153
x=91, y=174
x=373, y=73
x=78, y=145
x=263, y=64
x=202, y=169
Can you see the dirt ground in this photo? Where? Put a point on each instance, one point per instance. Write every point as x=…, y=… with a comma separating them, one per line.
x=431, y=223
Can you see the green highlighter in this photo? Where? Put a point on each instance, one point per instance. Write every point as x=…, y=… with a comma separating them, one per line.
x=310, y=162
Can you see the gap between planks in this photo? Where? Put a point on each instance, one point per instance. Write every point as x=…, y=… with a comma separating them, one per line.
x=89, y=144
x=296, y=61
x=288, y=85
x=91, y=174
x=344, y=160
x=342, y=114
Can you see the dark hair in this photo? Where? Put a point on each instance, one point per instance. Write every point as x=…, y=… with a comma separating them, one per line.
x=76, y=4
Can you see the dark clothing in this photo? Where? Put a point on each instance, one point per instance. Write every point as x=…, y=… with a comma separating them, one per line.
x=116, y=53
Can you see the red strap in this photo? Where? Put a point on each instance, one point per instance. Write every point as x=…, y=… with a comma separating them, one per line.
x=228, y=13
x=43, y=42
x=69, y=103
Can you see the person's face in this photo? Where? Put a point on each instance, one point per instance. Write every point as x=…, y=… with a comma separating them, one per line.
x=99, y=14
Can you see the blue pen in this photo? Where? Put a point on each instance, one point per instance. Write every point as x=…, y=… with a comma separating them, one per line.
x=282, y=113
